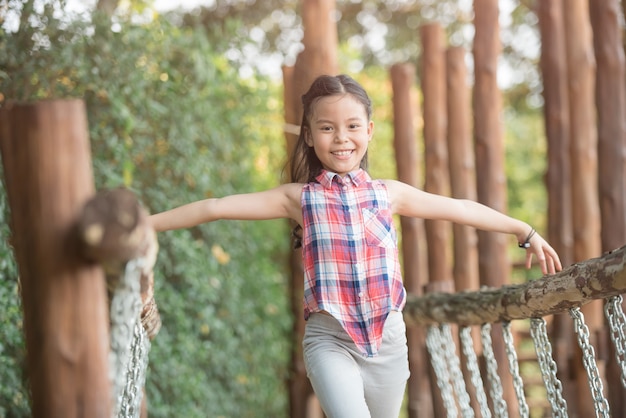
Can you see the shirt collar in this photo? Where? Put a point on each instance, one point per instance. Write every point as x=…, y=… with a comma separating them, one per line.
x=326, y=178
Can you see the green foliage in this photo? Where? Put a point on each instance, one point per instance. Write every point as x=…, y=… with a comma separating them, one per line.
x=14, y=399
x=170, y=118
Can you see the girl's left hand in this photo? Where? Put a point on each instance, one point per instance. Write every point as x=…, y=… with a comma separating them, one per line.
x=546, y=255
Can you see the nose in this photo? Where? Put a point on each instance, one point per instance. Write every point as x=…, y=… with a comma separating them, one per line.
x=340, y=135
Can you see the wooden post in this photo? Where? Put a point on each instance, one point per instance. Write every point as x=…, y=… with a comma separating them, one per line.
x=581, y=68
x=611, y=104
x=462, y=169
x=405, y=109
x=558, y=180
x=493, y=262
x=611, y=110
x=48, y=175
x=557, y=125
x=318, y=57
x=437, y=179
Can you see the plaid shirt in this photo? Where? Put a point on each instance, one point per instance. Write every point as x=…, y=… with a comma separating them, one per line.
x=350, y=255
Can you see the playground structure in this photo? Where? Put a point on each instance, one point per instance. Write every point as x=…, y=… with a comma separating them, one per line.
x=68, y=283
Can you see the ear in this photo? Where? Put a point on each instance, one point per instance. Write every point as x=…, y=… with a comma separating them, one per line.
x=370, y=130
x=308, y=138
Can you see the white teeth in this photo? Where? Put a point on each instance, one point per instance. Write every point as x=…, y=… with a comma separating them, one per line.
x=342, y=153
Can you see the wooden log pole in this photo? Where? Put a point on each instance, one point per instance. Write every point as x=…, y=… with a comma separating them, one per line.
x=611, y=110
x=558, y=177
x=405, y=111
x=437, y=178
x=581, y=71
x=577, y=285
x=48, y=176
x=610, y=102
x=462, y=167
x=493, y=263
x=318, y=57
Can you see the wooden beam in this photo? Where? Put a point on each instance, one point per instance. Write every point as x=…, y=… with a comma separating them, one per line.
x=579, y=284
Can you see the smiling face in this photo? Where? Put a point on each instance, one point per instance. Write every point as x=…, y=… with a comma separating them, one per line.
x=340, y=132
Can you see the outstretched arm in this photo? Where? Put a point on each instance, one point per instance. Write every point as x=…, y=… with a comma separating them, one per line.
x=409, y=201
x=280, y=202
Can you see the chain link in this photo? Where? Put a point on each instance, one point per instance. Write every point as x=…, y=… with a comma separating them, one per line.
x=129, y=348
x=467, y=344
x=617, y=325
x=589, y=361
x=495, y=384
x=435, y=343
x=548, y=367
x=136, y=374
x=454, y=363
x=518, y=384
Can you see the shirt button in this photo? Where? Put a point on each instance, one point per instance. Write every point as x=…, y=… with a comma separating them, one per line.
x=345, y=187
x=360, y=295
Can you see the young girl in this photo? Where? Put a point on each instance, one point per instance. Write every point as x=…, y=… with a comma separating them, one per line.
x=354, y=344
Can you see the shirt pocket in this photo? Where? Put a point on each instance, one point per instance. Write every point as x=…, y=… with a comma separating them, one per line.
x=378, y=227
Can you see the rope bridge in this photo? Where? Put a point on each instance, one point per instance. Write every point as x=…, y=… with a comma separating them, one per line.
x=134, y=318
x=601, y=278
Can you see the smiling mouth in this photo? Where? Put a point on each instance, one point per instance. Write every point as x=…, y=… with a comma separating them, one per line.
x=342, y=153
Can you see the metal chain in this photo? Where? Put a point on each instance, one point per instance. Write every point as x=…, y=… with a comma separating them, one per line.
x=511, y=355
x=434, y=343
x=454, y=363
x=548, y=367
x=124, y=312
x=589, y=360
x=617, y=324
x=136, y=374
x=467, y=344
x=495, y=385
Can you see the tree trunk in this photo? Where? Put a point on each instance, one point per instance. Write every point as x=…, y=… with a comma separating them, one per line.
x=107, y=6
x=47, y=167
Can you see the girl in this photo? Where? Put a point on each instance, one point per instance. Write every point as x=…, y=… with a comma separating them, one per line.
x=354, y=344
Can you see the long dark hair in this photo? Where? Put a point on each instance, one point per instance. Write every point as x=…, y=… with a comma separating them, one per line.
x=304, y=164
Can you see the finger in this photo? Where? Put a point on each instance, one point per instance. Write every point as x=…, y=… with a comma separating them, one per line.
x=541, y=260
x=556, y=259
x=529, y=259
x=550, y=262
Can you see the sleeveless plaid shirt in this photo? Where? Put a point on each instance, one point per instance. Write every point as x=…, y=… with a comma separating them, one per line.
x=350, y=255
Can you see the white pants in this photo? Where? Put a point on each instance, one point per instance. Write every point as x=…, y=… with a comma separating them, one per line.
x=348, y=384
